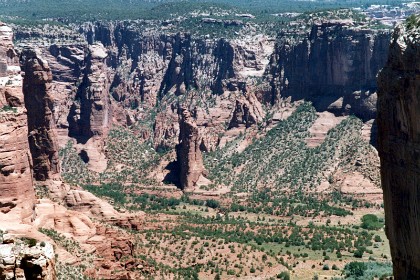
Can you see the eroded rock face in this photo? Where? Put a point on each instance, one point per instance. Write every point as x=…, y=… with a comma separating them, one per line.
x=334, y=66
x=39, y=104
x=17, y=195
x=91, y=114
x=399, y=149
x=189, y=157
x=19, y=261
x=150, y=65
x=247, y=112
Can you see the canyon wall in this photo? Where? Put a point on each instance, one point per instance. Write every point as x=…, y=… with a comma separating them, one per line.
x=128, y=73
x=37, y=91
x=151, y=64
x=334, y=66
x=399, y=149
x=17, y=196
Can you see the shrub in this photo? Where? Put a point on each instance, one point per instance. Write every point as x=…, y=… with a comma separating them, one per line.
x=283, y=275
x=31, y=242
x=355, y=269
x=371, y=222
x=231, y=272
x=358, y=253
x=413, y=21
x=212, y=203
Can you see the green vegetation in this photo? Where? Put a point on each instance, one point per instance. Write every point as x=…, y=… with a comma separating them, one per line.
x=251, y=246
x=68, y=244
x=367, y=271
x=284, y=275
x=7, y=108
x=31, y=242
x=371, y=222
x=61, y=11
x=71, y=272
x=73, y=169
x=283, y=163
x=413, y=21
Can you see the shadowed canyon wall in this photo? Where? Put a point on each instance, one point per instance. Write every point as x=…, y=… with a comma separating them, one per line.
x=399, y=149
x=334, y=66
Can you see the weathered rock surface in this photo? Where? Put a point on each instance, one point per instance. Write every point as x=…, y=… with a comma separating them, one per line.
x=163, y=63
x=247, y=112
x=92, y=206
x=399, y=149
x=39, y=104
x=17, y=195
x=19, y=261
x=189, y=157
x=334, y=66
x=91, y=114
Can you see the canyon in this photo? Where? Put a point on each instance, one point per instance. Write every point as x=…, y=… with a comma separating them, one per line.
x=120, y=140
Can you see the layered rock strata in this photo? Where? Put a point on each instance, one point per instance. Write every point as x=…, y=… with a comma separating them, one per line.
x=399, y=149
x=17, y=195
x=334, y=66
x=39, y=104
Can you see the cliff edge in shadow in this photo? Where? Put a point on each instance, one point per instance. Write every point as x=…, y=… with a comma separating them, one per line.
x=399, y=147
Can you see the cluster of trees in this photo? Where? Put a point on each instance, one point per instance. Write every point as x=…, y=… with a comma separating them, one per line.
x=36, y=10
x=371, y=222
x=288, y=167
x=368, y=270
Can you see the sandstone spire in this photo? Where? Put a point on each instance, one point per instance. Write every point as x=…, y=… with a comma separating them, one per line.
x=188, y=151
x=39, y=104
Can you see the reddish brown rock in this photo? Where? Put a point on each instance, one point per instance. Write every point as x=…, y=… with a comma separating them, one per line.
x=91, y=115
x=17, y=195
x=247, y=112
x=189, y=157
x=38, y=101
x=399, y=149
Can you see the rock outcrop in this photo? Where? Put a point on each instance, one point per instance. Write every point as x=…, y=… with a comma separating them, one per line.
x=189, y=157
x=91, y=114
x=20, y=261
x=39, y=104
x=17, y=195
x=248, y=111
x=150, y=65
x=334, y=66
x=399, y=149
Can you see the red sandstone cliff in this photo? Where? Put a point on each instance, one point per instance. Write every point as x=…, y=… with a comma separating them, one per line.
x=17, y=195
